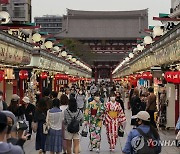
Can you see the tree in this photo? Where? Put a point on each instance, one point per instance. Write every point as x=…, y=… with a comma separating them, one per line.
x=78, y=49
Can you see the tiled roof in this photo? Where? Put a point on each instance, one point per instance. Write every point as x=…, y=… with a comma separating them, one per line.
x=104, y=24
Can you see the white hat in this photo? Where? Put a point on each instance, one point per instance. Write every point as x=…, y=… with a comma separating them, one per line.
x=15, y=97
x=26, y=99
x=143, y=115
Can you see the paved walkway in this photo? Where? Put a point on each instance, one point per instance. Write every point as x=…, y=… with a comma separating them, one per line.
x=165, y=135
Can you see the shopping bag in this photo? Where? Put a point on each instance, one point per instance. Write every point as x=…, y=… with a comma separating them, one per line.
x=120, y=131
x=84, y=132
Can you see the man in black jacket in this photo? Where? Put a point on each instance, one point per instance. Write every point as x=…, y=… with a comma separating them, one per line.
x=3, y=105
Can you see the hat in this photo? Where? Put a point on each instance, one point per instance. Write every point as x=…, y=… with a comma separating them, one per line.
x=143, y=115
x=15, y=97
x=3, y=118
x=9, y=114
x=26, y=99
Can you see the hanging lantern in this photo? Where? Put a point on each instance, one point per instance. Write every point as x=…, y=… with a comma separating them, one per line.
x=148, y=40
x=1, y=76
x=56, y=48
x=139, y=47
x=58, y=76
x=36, y=37
x=43, y=75
x=63, y=53
x=147, y=76
x=131, y=55
x=4, y=15
x=48, y=45
x=157, y=31
x=23, y=74
x=173, y=77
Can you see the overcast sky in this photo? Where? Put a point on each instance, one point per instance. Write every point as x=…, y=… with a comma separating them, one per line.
x=58, y=7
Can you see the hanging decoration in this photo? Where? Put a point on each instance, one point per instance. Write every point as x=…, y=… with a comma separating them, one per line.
x=1, y=75
x=147, y=76
x=44, y=75
x=23, y=74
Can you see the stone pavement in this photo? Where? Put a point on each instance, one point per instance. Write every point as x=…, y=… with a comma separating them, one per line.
x=165, y=135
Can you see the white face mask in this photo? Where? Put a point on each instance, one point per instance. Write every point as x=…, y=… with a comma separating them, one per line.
x=113, y=99
x=97, y=98
x=1, y=97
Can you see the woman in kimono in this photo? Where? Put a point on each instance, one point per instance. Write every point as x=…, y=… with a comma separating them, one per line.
x=93, y=117
x=113, y=118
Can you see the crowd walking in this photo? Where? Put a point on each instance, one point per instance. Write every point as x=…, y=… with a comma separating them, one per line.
x=59, y=119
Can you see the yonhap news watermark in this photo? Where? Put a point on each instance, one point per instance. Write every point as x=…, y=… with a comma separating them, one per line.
x=139, y=142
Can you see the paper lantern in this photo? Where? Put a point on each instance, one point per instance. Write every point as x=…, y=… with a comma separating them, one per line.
x=36, y=37
x=73, y=59
x=139, y=47
x=173, y=77
x=63, y=53
x=147, y=76
x=5, y=16
x=43, y=75
x=1, y=76
x=48, y=44
x=131, y=55
x=23, y=74
x=148, y=40
x=126, y=59
x=56, y=48
x=157, y=31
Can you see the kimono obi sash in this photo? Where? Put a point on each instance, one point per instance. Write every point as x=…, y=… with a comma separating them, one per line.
x=113, y=114
x=93, y=111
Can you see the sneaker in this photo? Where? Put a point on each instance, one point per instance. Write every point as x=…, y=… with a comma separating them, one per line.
x=97, y=150
x=91, y=149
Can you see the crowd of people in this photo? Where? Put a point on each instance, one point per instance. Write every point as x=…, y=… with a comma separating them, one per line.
x=60, y=118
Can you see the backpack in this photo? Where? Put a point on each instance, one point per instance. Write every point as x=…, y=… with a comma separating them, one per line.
x=74, y=125
x=145, y=144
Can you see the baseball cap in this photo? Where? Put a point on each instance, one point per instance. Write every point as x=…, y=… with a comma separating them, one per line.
x=26, y=99
x=15, y=97
x=143, y=115
x=3, y=118
x=9, y=114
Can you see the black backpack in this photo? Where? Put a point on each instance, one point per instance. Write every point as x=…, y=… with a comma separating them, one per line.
x=147, y=147
x=74, y=125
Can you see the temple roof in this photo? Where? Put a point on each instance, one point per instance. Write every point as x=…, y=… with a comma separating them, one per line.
x=104, y=24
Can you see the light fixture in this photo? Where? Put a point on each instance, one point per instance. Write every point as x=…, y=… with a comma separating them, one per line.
x=139, y=47
x=131, y=55
x=63, y=53
x=148, y=40
x=157, y=31
x=48, y=45
x=126, y=59
x=56, y=48
x=73, y=59
x=69, y=56
x=36, y=37
x=4, y=17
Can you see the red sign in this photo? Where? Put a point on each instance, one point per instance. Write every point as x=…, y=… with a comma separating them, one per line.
x=173, y=77
x=147, y=76
x=23, y=74
x=4, y=1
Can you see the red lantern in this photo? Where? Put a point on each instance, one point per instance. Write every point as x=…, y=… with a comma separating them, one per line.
x=23, y=74
x=1, y=76
x=58, y=76
x=43, y=75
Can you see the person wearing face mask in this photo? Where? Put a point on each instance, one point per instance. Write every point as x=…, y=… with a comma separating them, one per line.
x=80, y=98
x=138, y=140
x=114, y=118
x=3, y=105
x=93, y=118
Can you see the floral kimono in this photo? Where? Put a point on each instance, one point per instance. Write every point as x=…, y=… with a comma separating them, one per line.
x=94, y=115
x=114, y=117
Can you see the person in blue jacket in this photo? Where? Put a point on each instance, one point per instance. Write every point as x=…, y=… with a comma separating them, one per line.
x=133, y=143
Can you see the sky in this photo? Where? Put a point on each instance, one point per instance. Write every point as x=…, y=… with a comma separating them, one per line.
x=58, y=7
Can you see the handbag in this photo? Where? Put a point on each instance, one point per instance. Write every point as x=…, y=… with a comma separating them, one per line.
x=34, y=126
x=120, y=132
x=84, y=132
x=21, y=123
x=45, y=128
